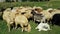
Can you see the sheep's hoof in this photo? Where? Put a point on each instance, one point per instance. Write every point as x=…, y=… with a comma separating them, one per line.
x=39, y=30
x=15, y=27
x=28, y=31
x=36, y=28
x=45, y=30
x=50, y=29
x=22, y=30
x=9, y=31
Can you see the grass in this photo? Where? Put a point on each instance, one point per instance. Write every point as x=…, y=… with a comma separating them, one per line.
x=4, y=28
x=53, y=4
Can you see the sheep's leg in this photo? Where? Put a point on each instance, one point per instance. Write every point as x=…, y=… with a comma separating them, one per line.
x=16, y=25
x=49, y=28
x=22, y=27
x=36, y=27
x=39, y=30
x=8, y=27
x=34, y=20
x=45, y=29
x=50, y=21
x=43, y=20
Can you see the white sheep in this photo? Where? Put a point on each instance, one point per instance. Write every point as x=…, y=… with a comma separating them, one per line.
x=43, y=26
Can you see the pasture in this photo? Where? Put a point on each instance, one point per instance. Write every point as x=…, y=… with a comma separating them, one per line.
x=3, y=26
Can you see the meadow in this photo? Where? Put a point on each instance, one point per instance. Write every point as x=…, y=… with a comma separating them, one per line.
x=3, y=25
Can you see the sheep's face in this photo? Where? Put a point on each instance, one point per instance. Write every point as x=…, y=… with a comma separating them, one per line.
x=28, y=28
x=37, y=16
x=38, y=10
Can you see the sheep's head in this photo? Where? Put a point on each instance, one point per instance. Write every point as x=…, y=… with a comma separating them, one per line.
x=28, y=28
x=50, y=10
x=38, y=9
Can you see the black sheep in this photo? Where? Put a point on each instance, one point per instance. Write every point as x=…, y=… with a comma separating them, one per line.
x=56, y=19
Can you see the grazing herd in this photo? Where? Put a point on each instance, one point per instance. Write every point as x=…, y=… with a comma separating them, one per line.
x=22, y=15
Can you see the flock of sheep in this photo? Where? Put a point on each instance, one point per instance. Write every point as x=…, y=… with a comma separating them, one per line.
x=22, y=15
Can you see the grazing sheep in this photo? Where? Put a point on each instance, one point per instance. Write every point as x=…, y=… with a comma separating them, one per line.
x=23, y=22
x=28, y=28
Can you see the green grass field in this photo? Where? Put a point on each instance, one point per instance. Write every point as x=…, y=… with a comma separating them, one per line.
x=4, y=29
x=55, y=28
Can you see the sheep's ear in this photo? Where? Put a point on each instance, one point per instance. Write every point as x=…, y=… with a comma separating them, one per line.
x=38, y=10
x=50, y=11
x=32, y=11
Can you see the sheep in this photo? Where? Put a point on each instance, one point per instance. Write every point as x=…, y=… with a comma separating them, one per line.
x=7, y=18
x=53, y=12
x=37, y=18
x=47, y=14
x=43, y=26
x=14, y=11
x=28, y=28
x=56, y=19
x=23, y=22
x=6, y=13
x=26, y=12
x=44, y=14
x=36, y=14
